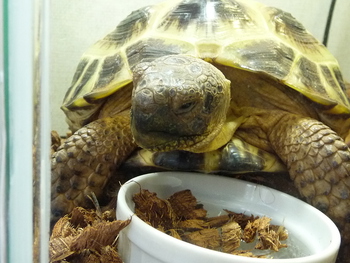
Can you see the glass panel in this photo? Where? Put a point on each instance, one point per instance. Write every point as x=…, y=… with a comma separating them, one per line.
x=3, y=253
x=19, y=90
x=26, y=98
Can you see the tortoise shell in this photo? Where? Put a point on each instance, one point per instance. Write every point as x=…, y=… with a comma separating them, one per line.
x=237, y=33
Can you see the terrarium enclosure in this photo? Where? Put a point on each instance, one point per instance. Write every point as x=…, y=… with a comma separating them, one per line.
x=41, y=44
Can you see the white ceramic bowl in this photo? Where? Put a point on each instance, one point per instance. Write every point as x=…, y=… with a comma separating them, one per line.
x=313, y=237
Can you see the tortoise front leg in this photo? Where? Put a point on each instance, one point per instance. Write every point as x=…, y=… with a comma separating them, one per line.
x=318, y=161
x=85, y=161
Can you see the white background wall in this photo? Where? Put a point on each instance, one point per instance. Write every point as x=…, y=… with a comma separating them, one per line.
x=77, y=24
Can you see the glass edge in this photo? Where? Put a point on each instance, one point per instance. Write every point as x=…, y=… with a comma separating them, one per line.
x=3, y=132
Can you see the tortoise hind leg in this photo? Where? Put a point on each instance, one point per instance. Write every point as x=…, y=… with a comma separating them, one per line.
x=318, y=161
x=85, y=161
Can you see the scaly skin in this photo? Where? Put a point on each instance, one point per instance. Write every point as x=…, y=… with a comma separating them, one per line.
x=318, y=161
x=85, y=162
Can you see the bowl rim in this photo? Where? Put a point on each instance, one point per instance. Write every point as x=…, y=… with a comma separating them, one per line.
x=332, y=248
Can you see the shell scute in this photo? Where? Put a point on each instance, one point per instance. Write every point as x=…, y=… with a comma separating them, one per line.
x=131, y=27
x=149, y=49
x=309, y=75
x=84, y=73
x=110, y=66
x=339, y=77
x=204, y=15
x=183, y=15
x=265, y=55
x=288, y=28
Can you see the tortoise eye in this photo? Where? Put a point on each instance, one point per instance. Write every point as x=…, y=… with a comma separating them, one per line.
x=186, y=107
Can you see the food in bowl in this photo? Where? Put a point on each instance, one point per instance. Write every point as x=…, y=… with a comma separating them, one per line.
x=182, y=217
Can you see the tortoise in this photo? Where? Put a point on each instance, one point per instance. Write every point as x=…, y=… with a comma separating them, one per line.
x=219, y=85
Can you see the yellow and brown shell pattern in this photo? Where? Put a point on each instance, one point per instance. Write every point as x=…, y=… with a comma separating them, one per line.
x=237, y=33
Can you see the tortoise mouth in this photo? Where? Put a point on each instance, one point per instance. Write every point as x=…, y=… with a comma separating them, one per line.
x=158, y=141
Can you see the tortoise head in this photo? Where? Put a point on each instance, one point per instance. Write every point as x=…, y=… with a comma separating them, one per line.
x=179, y=102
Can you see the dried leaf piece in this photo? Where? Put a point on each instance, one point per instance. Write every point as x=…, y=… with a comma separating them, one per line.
x=249, y=232
x=247, y=253
x=55, y=141
x=63, y=228
x=88, y=244
x=207, y=238
x=281, y=231
x=61, y=239
x=84, y=256
x=218, y=221
x=109, y=215
x=174, y=233
x=252, y=228
x=81, y=217
x=59, y=248
x=269, y=240
x=109, y=254
x=192, y=224
x=231, y=237
x=152, y=209
x=185, y=205
x=241, y=218
x=262, y=223
x=97, y=236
